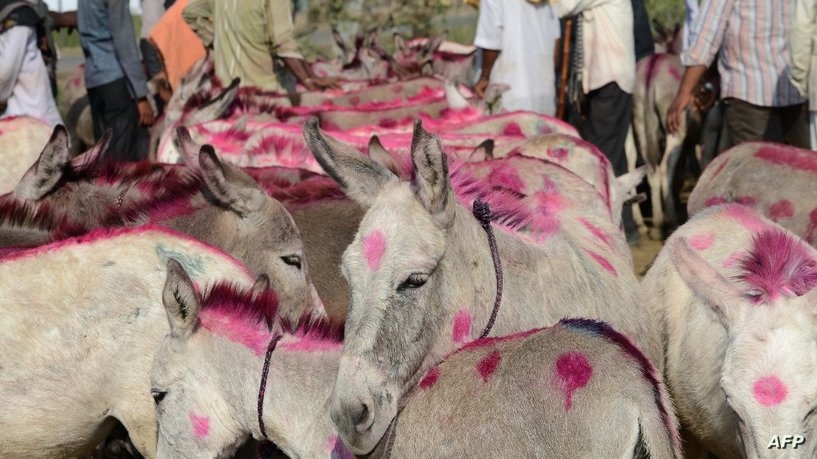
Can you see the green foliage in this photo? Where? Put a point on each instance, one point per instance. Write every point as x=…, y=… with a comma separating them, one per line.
x=667, y=12
x=65, y=40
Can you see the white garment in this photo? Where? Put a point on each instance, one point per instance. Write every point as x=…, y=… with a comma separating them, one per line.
x=609, y=44
x=525, y=34
x=152, y=11
x=24, y=83
x=813, y=126
x=689, y=19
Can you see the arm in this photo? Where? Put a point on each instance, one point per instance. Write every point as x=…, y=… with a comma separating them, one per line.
x=801, y=31
x=489, y=39
x=13, y=49
x=124, y=44
x=705, y=41
x=198, y=14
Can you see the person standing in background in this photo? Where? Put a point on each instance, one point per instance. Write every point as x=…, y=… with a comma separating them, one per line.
x=517, y=39
x=25, y=87
x=759, y=101
x=115, y=78
x=689, y=19
x=248, y=38
x=152, y=11
x=803, y=48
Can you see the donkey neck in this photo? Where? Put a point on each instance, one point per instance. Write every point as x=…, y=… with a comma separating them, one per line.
x=297, y=399
x=521, y=263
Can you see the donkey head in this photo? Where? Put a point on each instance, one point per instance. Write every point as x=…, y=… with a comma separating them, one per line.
x=197, y=410
x=255, y=228
x=404, y=270
x=769, y=368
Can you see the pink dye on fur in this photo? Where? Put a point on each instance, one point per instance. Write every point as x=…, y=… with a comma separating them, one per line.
x=702, y=241
x=235, y=329
x=795, y=158
x=574, y=372
x=597, y=232
x=430, y=378
x=721, y=167
x=769, y=391
x=812, y=227
x=374, y=246
x=745, y=201
x=512, y=129
x=779, y=264
x=603, y=262
x=311, y=344
x=488, y=365
x=506, y=176
x=733, y=259
x=461, y=326
x=200, y=424
x=559, y=153
x=746, y=217
x=781, y=209
x=715, y=201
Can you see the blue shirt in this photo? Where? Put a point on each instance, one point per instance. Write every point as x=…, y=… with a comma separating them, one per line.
x=109, y=44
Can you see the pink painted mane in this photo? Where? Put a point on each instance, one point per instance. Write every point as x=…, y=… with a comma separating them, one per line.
x=175, y=200
x=248, y=319
x=779, y=264
x=42, y=216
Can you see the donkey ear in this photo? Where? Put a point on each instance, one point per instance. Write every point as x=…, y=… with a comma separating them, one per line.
x=44, y=175
x=230, y=186
x=184, y=143
x=95, y=153
x=360, y=177
x=721, y=295
x=434, y=44
x=216, y=107
x=431, y=167
x=379, y=153
x=182, y=303
x=400, y=46
x=482, y=152
x=342, y=44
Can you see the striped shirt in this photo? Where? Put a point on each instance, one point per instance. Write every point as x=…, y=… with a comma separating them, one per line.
x=752, y=38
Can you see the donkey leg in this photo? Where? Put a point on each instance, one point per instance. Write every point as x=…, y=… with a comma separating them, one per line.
x=632, y=157
x=655, y=181
x=672, y=174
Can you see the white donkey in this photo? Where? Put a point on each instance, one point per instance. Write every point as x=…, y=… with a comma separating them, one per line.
x=578, y=389
x=422, y=275
x=81, y=321
x=779, y=181
x=739, y=303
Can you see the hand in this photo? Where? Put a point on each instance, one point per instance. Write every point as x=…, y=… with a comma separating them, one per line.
x=145, y=113
x=705, y=97
x=677, y=109
x=317, y=83
x=481, y=86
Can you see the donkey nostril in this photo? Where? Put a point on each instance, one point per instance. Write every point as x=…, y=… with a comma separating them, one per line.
x=362, y=417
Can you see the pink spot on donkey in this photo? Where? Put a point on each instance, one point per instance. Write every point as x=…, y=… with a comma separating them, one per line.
x=812, y=227
x=769, y=391
x=715, y=201
x=603, y=262
x=488, y=365
x=559, y=154
x=702, y=241
x=461, y=326
x=781, y=209
x=200, y=424
x=430, y=378
x=374, y=246
x=574, y=372
x=512, y=129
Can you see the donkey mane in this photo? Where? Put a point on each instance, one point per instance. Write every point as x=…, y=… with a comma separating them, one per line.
x=242, y=316
x=648, y=371
x=175, y=200
x=306, y=191
x=779, y=264
x=42, y=216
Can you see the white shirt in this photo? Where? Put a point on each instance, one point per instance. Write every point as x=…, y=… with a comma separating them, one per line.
x=609, y=45
x=525, y=34
x=24, y=83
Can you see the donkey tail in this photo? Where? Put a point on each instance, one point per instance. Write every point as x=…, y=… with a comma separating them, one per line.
x=659, y=430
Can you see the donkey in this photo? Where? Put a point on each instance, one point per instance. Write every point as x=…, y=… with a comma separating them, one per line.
x=76, y=356
x=418, y=246
x=776, y=180
x=218, y=204
x=738, y=300
x=564, y=377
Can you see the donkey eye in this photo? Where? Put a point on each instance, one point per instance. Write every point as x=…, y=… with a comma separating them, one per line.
x=292, y=260
x=158, y=395
x=416, y=280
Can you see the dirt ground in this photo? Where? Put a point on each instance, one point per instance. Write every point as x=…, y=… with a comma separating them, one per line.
x=644, y=254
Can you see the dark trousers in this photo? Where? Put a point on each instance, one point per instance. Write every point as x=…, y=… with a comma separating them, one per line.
x=606, y=119
x=745, y=122
x=112, y=107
